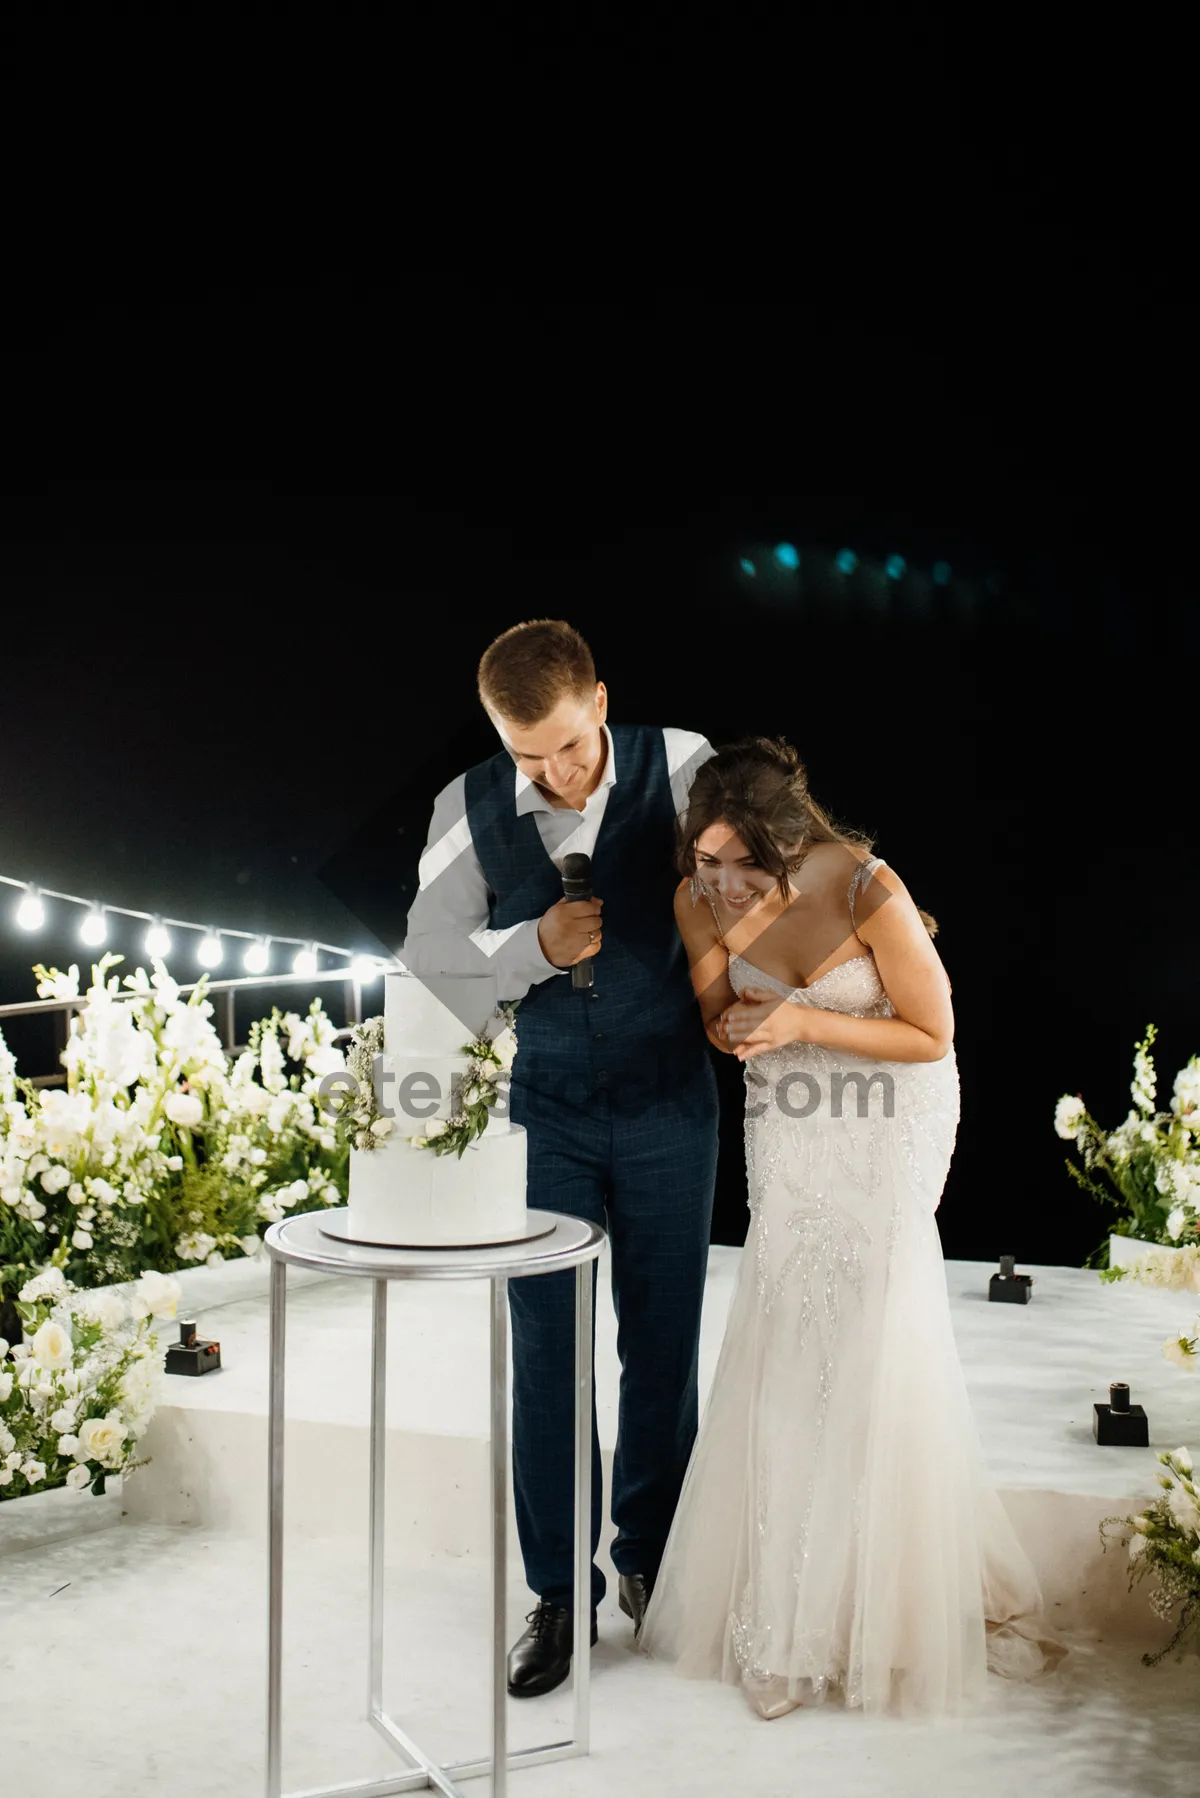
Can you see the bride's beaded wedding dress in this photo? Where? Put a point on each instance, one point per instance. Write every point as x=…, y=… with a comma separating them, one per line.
x=837, y=1531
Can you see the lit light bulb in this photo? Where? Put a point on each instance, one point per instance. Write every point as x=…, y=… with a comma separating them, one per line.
x=895, y=568
x=209, y=953
x=787, y=555
x=846, y=560
x=305, y=961
x=31, y=913
x=158, y=941
x=256, y=958
x=363, y=967
x=94, y=929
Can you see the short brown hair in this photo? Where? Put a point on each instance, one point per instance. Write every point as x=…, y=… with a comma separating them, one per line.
x=530, y=667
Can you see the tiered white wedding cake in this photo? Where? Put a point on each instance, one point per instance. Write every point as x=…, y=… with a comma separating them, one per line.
x=417, y=1197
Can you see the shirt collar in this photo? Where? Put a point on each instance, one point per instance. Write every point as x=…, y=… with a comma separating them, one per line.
x=528, y=799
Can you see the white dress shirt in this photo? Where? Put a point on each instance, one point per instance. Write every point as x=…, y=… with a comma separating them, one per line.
x=448, y=920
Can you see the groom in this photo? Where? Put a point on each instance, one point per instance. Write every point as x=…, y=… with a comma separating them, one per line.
x=614, y=1087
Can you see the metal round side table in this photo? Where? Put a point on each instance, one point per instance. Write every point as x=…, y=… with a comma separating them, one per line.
x=566, y=1242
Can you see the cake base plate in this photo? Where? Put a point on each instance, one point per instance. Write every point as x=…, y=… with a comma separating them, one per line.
x=337, y=1225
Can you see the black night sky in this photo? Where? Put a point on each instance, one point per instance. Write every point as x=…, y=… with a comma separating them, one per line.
x=234, y=701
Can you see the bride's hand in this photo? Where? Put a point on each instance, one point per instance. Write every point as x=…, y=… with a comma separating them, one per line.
x=760, y=1020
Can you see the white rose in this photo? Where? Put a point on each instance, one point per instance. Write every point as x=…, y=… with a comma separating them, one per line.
x=214, y=1259
x=68, y=1442
x=381, y=1126
x=51, y=1347
x=34, y=1471
x=55, y=1178
x=505, y=1047
x=6, y=1386
x=250, y=1245
x=100, y=1439
x=418, y=1142
x=156, y=1295
x=6, y=1437
x=3, y=1347
x=78, y=1478
x=6, y=1474
x=1175, y=1222
x=63, y=1418
x=296, y=1193
x=436, y=1127
x=183, y=1109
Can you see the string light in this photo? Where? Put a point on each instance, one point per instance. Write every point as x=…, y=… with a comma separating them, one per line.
x=158, y=939
x=30, y=914
x=93, y=930
x=256, y=959
x=209, y=952
x=364, y=968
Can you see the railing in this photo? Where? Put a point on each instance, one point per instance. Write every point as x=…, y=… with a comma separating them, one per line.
x=226, y=990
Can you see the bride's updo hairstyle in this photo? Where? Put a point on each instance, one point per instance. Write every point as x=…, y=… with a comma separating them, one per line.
x=758, y=786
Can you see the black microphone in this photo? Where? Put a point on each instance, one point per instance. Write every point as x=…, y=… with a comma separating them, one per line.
x=577, y=884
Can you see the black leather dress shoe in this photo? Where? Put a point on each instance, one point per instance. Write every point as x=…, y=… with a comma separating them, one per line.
x=633, y=1595
x=541, y=1659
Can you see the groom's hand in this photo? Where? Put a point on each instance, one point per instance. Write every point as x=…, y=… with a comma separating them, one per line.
x=570, y=931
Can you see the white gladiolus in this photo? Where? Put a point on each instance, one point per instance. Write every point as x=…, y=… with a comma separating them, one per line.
x=55, y=1178
x=51, y=1347
x=80, y=1239
x=6, y=1385
x=1183, y=1459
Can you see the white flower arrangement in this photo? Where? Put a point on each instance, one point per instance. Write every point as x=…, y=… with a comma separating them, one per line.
x=492, y=1054
x=1149, y=1166
x=77, y=1394
x=158, y=1152
x=1165, y=1541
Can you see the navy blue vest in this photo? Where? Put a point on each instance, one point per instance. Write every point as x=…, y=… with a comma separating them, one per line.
x=639, y=1030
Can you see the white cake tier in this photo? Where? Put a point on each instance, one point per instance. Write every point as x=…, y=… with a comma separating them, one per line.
x=435, y=1014
x=416, y=1088
x=413, y=1198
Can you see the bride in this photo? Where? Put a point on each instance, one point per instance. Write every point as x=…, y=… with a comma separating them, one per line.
x=836, y=1531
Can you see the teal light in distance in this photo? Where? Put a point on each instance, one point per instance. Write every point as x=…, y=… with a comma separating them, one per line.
x=940, y=574
x=895, y=567
x=787, y=555
x=846, y=560
x=747, y=566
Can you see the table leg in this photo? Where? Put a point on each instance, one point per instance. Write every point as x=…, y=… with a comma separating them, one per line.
x=499, y=1371
x=379, y=1311
x=275, y=1418
x=582, y=1653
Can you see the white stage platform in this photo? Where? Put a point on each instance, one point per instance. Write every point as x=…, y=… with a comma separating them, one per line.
x=145, y=1612
x=1033, y=1371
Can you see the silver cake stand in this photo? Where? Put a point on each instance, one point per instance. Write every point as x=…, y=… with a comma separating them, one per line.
x=562, y=1242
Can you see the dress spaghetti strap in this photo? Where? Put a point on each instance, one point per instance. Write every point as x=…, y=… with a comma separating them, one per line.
x=860, y=878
